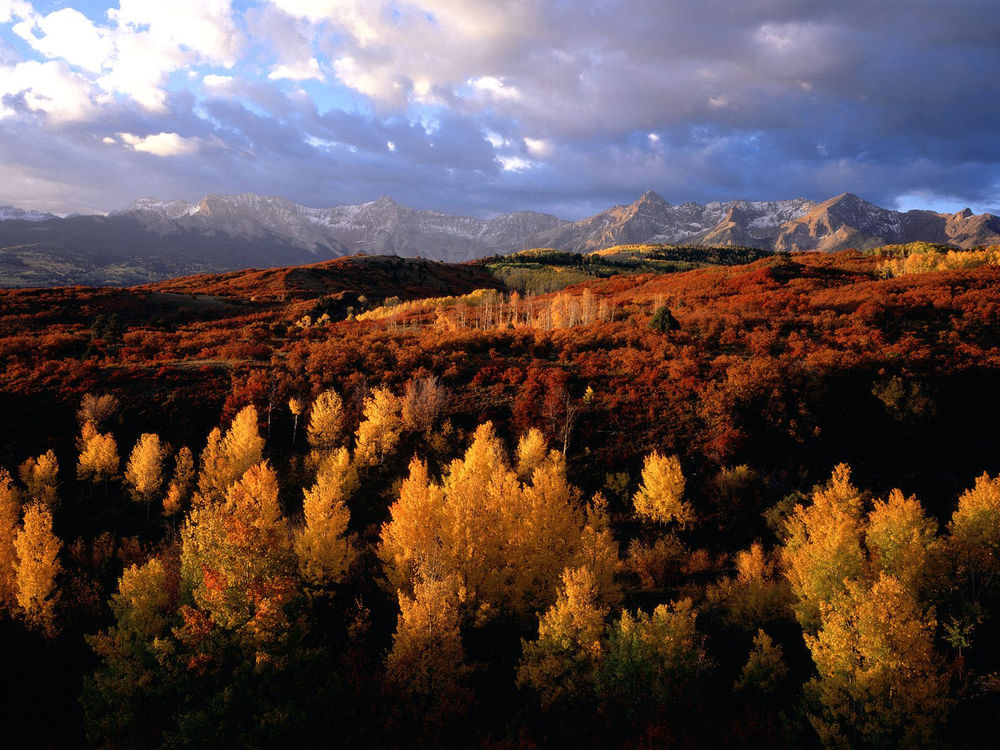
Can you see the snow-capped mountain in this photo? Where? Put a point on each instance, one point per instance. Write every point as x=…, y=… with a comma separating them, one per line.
x=11, y=213
x=154, y=239
x=652, y=220
x=380, y=226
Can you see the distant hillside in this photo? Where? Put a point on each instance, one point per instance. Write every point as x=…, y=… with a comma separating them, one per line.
x=154, y=240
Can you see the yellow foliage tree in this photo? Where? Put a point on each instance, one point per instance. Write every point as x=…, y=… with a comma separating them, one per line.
x=902, y=540
x=505, y=543
x=823, y=547
x=326, y=417
x=144, y=471
x=549, y=537
x=598, y=551
x=228, y=456
x=37, y=550
x=661, y=495
x=559, y=666
x=532, y=449
x=411, y=539
x=237, y=562
x=180, y=485
x=974, y=535
x=41, y=478
x=880, y=681
x=98, y=456
x=10, y=516
x=322, y=546
x=427, y=661
x=380, y=427
x=296, y=406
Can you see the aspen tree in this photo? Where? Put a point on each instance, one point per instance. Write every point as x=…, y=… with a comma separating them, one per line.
x=98, y=460
x=228, y=456
x=182, y=482
x=144, y=471
x=901, y=540
x=41, y=478
x=974, y=535
x=379, y=430
x=38, y=566
x=325, y=427
x=560, y=664
x=823, y=546
x=880, y=682
x=661, y=495
x=532, y=449
x=427, y=659
x=296, y=406
x=322, y=546
x=10, y=515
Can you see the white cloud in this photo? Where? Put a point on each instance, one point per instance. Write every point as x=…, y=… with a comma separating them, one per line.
x=161, y=144
x=217, y=81
x=495, y=88
x=70, y=35
x=49, y=87
x=514, y=163
x=539, y=147
x=10, y=9
x=298, y=72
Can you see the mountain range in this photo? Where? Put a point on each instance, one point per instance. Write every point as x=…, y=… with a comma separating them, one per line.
x=153, y=239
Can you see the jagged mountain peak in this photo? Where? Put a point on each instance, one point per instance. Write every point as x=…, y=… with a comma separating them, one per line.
x=651, y=196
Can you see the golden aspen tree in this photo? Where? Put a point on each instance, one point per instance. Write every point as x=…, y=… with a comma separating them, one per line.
x=98, y=456
x=237, y=562
x=326, y=417
x=37, y=550
x=823, y=545
x=40, y=476
x=505, y=543
x=532, y=449
x=548, y=536
x=598, y=551
x=559, y=666
x=144, y=471
x=661, y=495
x=974, y=535
x=427, y=660
x=880, y=682
x=483, y=498
x=228, y=456
x=296, y=406
x=180, y=485
x=10, y=516
x=135, y=653
x=380, y=427
x=901, y=540
x=323, y=549
x=765, y=668
x=410, y=540
x=756, y=594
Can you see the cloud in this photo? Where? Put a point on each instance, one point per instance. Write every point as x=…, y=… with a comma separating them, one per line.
x=161, y=144
x=495, y=106
x=68, y=34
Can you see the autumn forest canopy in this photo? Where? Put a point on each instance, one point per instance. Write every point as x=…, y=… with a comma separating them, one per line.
x=660, y=496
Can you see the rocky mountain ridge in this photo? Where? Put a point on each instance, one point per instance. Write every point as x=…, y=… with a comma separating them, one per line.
x=153, y=239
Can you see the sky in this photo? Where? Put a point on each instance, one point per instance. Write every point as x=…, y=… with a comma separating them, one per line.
x=479, y=107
